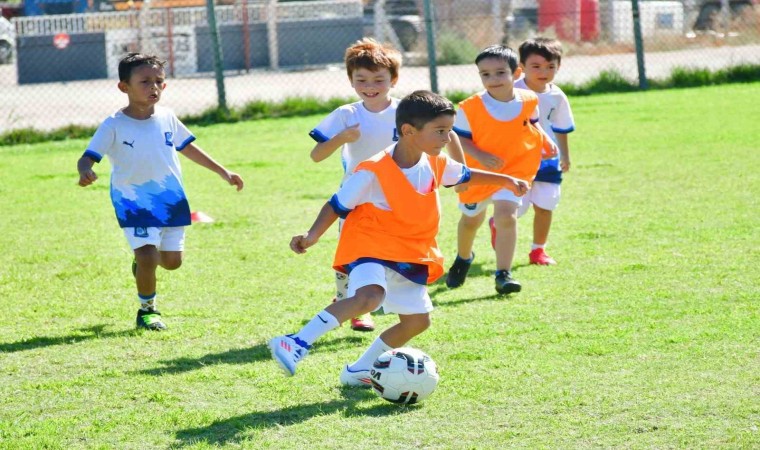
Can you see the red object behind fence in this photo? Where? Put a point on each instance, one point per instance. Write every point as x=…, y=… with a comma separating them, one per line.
x=590, y=25
x=562, y=15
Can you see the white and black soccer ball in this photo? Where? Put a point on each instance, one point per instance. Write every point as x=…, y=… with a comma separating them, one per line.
x=404, y=375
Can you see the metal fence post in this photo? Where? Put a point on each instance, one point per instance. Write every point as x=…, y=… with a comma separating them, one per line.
x=643, y=84
x=218, y=64
x=429, y=24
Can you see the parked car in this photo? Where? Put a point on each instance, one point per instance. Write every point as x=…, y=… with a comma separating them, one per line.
x=7, y=40
x=404, y=17
x=709, y=13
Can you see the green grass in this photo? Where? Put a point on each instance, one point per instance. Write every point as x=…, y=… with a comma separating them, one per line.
x=644, y=336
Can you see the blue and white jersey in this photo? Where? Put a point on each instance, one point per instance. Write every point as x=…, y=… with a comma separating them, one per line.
x=378, y=131
x=146, y=179
x=555, y=117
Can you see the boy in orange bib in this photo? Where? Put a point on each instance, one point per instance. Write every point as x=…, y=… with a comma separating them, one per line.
x=388, y=241
x=499, y=131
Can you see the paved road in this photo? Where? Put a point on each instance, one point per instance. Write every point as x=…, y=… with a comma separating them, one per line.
x=53, y=105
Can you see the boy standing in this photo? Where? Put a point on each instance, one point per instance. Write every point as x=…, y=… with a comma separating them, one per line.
x=391, y=209
x=499, y=131
x=361, y=129
x=540, y=59
x=141, y=142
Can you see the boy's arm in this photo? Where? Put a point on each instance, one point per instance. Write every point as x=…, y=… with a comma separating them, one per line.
x=86, y=175
x=198, y=156
x=324, y=220
x=516, y=185
x=323, y=150
x=487, y=160
x=549, y=150
x=564, y=151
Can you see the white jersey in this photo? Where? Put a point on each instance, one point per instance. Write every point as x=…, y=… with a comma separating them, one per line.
x=503, y=111
x=555, y=117
x=146, y=179
x=378, y=131
x=363, y=186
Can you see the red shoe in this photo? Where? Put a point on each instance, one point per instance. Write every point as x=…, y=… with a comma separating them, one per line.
x=539, y=256
x=362, y=324
x=493, y=232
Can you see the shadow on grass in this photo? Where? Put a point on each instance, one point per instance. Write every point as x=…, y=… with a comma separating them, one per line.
x=83, y=334
x=247, y=355
x=235, y=429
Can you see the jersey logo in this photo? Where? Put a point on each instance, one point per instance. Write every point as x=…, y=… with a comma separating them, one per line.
x=395, y=135
x=168, y=139
x=549, y=117
x=131, y=144
x=141, y=232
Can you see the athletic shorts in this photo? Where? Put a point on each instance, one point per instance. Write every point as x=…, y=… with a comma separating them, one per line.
x=167, y=239
x=473, y=209
x=401, y=295
x=542, y=194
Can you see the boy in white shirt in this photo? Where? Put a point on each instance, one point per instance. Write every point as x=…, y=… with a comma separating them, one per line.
x=142, y=141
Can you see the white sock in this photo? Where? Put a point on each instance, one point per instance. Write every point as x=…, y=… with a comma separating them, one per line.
x=535, y=246
x=365, y=361
x=147, y=302
x=319, y=325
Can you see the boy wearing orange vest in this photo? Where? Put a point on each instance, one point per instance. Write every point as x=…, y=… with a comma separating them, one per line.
x=388, y=241
x=499, y=131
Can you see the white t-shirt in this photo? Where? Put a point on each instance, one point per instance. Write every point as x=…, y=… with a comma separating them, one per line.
x=555, y=116
x=363, y=186
x=378, y=130
x=146, y=179
x=503, y=111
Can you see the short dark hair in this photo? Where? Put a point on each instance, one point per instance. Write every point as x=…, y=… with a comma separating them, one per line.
x=421, y=107
x=501, y=52
x=550, y=49
x=135, y=60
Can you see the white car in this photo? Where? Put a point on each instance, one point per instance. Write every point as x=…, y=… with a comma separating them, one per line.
x=7, y=40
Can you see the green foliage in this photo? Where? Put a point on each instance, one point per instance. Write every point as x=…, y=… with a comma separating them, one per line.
x=644, y=336
x=454, y=48
x=605, y=82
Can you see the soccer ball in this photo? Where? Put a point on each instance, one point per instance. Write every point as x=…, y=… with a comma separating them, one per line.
x=404, y=375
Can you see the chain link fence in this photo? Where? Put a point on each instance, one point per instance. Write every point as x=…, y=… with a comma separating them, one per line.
x=61, y=67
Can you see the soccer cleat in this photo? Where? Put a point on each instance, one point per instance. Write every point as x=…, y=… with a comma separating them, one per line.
x=539, y=256
x=358, y=378
x=364, y=323
x=505, y=284
x=458, y=271
x=288, y=352
x=150, y=320
x=492, y=227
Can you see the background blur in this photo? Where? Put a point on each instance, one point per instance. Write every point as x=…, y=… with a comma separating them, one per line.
x=58, y=58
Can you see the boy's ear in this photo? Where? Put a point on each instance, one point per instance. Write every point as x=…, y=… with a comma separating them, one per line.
x=517, y=72
x=407, y=129
x=122, y=86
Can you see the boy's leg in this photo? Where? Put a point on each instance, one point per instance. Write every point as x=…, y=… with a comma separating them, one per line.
x=367, y=288
x=545, y=199
x=472, y=218
x=505, y=223
x=359, y=323
x=147, y=259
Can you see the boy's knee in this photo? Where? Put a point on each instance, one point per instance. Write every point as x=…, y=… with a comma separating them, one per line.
x=504, y=221
x=472, y=221
x=370, y=297
x=147, y=256
x=171, y=261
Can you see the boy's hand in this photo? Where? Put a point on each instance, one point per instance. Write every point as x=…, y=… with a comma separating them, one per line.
x=233, y=179
x=564, y=164
x=87, y=177
x=518, y=186
x=351, y=133
x=300, y=242
x=488, y=160
x=550, y=150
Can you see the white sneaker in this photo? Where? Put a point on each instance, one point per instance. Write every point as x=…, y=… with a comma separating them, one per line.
x=350, y=377
x=286, y=351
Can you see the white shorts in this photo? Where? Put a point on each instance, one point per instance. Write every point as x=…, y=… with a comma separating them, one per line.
x=542, y=194
x=473, y=209
x=168, y=239
x=401, y=295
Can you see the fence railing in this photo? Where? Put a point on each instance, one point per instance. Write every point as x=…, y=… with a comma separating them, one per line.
x=63, y=69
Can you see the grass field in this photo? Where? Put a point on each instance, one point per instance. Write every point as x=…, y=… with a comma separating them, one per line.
x=646, y=335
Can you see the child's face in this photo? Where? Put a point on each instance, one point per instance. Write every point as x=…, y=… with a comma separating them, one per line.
x=497, y=78
x=433, y=137
x=539, y=71
x=145, y=85
x=372, y=87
